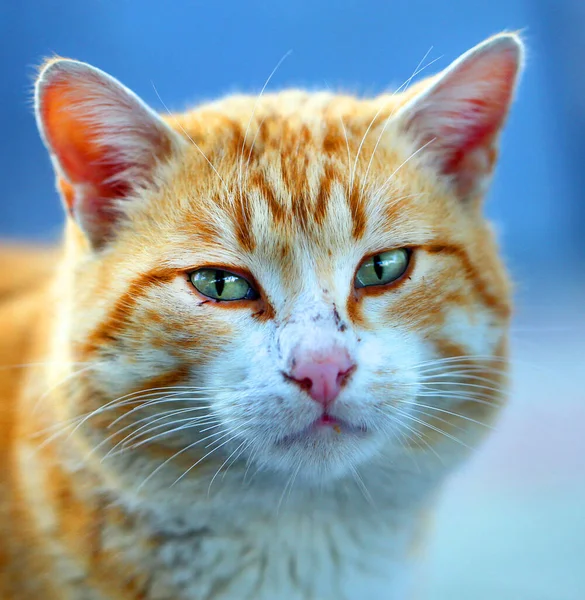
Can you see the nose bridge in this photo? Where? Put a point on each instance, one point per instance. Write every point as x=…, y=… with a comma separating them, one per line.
x=317, y=351
x=314, y=325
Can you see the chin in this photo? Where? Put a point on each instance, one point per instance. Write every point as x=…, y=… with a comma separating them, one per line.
x=320, y=455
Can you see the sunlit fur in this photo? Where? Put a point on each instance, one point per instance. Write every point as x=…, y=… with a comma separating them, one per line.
x=159, y=451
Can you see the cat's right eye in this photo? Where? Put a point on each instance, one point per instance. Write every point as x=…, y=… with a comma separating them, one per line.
x=222, y=285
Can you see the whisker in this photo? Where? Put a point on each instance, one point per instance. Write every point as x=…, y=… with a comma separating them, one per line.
x=139, y=396
x=288, y=487
x=403, y=164
x=113, y=406
x=178, y=123
x=357, y=156
x=181, y=425
x=78, y=421
x=454, y=386
x=423, y=413
x=160, y=415
x=352, y=174
x=150, y=422
x=253, y=144
x=168, y=460
x=235, y=459
x=419, y=435
x=448, y=412
x=251, y=460
x=462, y=384
x=388, y=120
x=232, y=436
x=465, y=358
x=61, y=429
x=256, y=103
x=78, y=418
x=462, y=375
x=362, y=486
x=225, y=462
x=401, y=440
x=432, y=427
x=348, y=153
x=52, y=389
x=60, y=363
x=465, y=367
x=153, y=392
x=180, y=428
x=462, y=397
x=170, y=398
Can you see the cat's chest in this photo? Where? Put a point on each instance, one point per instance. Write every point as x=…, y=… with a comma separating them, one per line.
x=297, y=558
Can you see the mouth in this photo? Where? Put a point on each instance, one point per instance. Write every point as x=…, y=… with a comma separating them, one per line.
x=326, y=420
x=325, y=426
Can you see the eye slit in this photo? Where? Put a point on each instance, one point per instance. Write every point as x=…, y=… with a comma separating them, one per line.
x=378, y=268
x=219, y=282
x=222, y=285
x=383, y=268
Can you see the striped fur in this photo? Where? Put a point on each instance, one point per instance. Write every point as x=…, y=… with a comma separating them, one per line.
x=153, y=447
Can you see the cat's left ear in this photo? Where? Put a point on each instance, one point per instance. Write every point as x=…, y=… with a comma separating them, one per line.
x=459, y=117
x=105, y=143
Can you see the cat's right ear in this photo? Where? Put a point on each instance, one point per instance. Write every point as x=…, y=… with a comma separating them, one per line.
x=105, y=143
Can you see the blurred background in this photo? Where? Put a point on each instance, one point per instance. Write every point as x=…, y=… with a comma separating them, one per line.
x=512, y=523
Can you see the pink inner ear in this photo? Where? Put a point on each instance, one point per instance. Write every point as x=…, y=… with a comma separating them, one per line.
x=482, y=116
x=464, y=111
x=479, y=133
x=84, y=159
x=103, y=139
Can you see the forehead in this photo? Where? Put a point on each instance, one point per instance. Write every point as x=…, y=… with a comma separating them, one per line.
x=295, y=170
x=297, y=189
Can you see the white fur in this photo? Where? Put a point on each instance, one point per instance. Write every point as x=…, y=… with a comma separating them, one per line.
x=304, y=512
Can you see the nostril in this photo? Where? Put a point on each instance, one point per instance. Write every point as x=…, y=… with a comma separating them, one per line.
x=343, y=376
x=304, y=384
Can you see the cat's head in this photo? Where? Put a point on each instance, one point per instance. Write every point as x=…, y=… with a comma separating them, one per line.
x=299, y=282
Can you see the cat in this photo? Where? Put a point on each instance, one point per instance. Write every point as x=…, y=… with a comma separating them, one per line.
x=274, y=326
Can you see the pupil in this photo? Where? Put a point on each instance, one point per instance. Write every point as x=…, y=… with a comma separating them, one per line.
x=378, y=268
x=219, y=282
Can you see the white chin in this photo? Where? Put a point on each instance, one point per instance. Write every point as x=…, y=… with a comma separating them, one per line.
x=318, y=457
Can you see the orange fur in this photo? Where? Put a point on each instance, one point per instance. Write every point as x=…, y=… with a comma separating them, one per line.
x=256, y=180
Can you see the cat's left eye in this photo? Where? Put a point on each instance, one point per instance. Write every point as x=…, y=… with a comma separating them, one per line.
x=222, y=285
x=382, y=268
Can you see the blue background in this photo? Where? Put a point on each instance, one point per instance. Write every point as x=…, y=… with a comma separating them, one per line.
x=193, y=50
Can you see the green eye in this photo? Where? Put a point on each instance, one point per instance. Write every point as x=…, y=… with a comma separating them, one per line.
x=382, y=268
x=222, y=285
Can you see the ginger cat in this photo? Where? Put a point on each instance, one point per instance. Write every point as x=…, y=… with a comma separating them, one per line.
x=275, y=325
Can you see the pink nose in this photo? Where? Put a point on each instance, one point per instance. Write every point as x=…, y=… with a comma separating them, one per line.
x=323, y=375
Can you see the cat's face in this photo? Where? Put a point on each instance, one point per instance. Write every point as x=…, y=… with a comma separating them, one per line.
x=303, y=283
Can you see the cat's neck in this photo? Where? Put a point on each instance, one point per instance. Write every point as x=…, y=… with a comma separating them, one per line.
x=325, y=545
x=224, y=545
x=291, y=554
